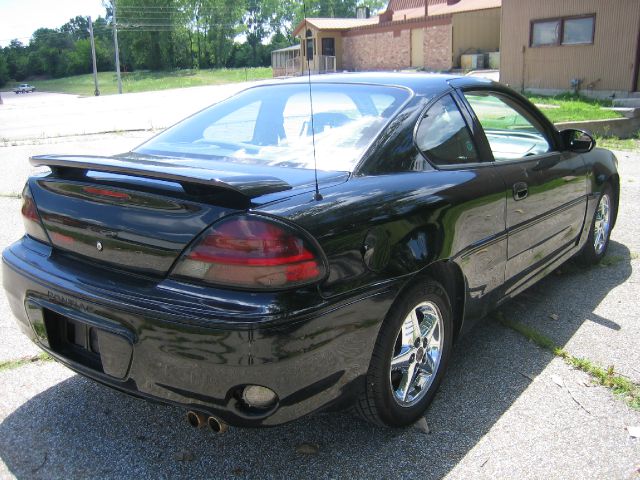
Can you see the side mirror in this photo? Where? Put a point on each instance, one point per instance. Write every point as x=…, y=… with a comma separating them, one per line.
x=577, y=141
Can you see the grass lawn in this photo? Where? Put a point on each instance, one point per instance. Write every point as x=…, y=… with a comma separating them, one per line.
x=569, y=108
x=614, y=143
x=145, y=81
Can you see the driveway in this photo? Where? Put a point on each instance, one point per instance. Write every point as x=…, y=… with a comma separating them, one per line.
x=506, y=409
x=45, y=115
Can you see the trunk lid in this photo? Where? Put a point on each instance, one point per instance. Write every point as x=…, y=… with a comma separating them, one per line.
x=139, y=214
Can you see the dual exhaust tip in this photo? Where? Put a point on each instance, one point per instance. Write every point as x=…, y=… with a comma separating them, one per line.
x=199, y=420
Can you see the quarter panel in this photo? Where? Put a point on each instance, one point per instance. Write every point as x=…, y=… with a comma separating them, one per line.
x=377, y=228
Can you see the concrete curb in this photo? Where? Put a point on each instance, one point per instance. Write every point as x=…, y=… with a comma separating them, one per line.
x=616, y=127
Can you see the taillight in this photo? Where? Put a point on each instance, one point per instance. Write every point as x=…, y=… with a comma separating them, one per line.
x=252, y=252
x=32, y=224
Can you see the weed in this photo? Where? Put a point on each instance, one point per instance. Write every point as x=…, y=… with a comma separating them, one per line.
x=606, y=377
x=11, y=364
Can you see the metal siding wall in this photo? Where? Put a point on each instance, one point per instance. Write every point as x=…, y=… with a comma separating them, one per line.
x=473, y=31
x=606, y=65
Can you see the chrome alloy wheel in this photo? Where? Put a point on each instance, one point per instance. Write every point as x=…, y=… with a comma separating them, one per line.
x=417, y=354
x=602, y=224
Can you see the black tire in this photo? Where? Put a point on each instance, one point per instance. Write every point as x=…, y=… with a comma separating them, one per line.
x=590, y=254
x=377, y=402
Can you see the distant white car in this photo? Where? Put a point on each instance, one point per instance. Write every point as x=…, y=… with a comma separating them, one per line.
x=24, y=88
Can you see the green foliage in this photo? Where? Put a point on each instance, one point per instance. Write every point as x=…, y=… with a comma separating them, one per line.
x=606, y=377
x=11, y=364
x=145, y=80
x=59, y=52
x=162, y=35
x=573, y=108
x=615, y=143
x=4, y=70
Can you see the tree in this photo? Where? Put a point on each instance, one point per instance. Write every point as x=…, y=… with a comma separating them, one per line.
x=168, y=34
x=77, y=28
x=17, y=61
x=4, y=70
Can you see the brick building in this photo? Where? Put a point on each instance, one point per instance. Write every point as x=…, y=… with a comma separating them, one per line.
x=429, y=34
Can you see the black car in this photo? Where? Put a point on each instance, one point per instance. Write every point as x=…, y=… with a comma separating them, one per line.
x=256, y=263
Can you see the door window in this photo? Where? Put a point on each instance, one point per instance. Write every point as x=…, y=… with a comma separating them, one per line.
x=328, y=47
x=443, y=136
x=511, y=132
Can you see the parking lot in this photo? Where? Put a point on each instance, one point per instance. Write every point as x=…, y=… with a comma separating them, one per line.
x=506, y=409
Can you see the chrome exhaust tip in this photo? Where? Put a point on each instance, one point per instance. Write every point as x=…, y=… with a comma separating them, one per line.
x=196, y=419
x=217, y=426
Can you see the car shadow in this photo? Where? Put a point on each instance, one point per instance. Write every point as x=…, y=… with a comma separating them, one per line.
x=78, y=428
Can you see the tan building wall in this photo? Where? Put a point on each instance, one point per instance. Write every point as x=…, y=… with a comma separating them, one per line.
x=377, y=51
x=608, y=64
x=473, y=31
x=318, y=35
x=437, y=47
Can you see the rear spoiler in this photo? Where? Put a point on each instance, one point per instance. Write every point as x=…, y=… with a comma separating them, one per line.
x=192, y=179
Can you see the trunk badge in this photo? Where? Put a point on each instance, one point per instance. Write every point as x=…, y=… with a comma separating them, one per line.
x=99, y=246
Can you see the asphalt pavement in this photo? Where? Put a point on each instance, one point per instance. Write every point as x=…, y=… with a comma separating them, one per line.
x=506, y=409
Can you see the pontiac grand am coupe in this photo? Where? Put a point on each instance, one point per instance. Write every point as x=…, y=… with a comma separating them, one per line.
x=256, y=263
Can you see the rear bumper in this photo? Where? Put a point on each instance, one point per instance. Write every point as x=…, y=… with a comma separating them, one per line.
x=164, y=342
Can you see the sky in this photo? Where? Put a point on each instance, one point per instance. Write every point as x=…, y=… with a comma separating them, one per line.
x=20, y=18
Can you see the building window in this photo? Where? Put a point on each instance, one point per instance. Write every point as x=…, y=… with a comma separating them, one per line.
x=329, y=47
x=578, y=31
x=563, y=31
x=545, y=33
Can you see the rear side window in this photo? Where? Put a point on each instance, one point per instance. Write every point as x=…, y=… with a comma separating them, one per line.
x=443, y=136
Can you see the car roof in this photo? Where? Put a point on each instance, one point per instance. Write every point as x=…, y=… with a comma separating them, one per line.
x=418, y=82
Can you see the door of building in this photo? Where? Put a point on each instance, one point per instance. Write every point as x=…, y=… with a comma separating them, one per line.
x=417, y=47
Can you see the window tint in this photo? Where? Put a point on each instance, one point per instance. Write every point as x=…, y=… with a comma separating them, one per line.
x=545, y=33
x=578, y=30
x=508, y=128
x=330, y=110
x=443, y=135
x=382, y=102
x=237, y=127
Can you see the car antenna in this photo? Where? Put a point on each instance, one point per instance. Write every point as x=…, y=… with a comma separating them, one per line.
x=317, y=195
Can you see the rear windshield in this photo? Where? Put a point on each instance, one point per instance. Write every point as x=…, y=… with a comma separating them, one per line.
x=271, y=125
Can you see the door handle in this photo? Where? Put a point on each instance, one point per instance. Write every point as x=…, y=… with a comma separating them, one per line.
x=520, y=191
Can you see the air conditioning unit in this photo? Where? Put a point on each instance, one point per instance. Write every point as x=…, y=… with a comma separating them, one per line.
x=492, y=60
x=472, y=61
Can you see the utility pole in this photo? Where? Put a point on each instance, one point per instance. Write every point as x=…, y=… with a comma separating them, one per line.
x=93, y=56
x=115, y=41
